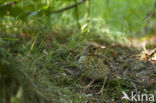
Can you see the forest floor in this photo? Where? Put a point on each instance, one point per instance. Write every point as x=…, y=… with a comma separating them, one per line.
x=131, y=70
x=48, y=63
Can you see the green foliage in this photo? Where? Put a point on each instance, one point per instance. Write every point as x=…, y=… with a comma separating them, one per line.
x=125, y=16
x=8, y=73
x=118, y=14
x=16, y=84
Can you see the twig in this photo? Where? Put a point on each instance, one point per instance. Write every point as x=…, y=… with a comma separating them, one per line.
x=9, y=3
x=77, y=15
x=68, y=7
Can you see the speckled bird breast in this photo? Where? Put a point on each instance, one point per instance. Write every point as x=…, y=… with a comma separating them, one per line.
x=94, y=66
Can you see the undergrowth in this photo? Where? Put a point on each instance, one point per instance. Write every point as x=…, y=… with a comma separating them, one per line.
x=38, y=58
x=42, y=63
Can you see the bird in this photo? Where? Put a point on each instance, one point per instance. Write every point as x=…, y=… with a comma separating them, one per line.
x=92, y=61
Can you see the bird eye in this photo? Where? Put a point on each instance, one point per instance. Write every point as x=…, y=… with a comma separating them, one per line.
x=94, y=48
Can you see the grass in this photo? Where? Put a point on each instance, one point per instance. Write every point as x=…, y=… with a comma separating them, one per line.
x=47, y=63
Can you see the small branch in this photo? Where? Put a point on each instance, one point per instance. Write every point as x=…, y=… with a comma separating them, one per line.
x=77, y=15
x=9, y=3
x=69, y=7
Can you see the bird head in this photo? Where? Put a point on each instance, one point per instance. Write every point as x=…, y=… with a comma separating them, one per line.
x=92, y=49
